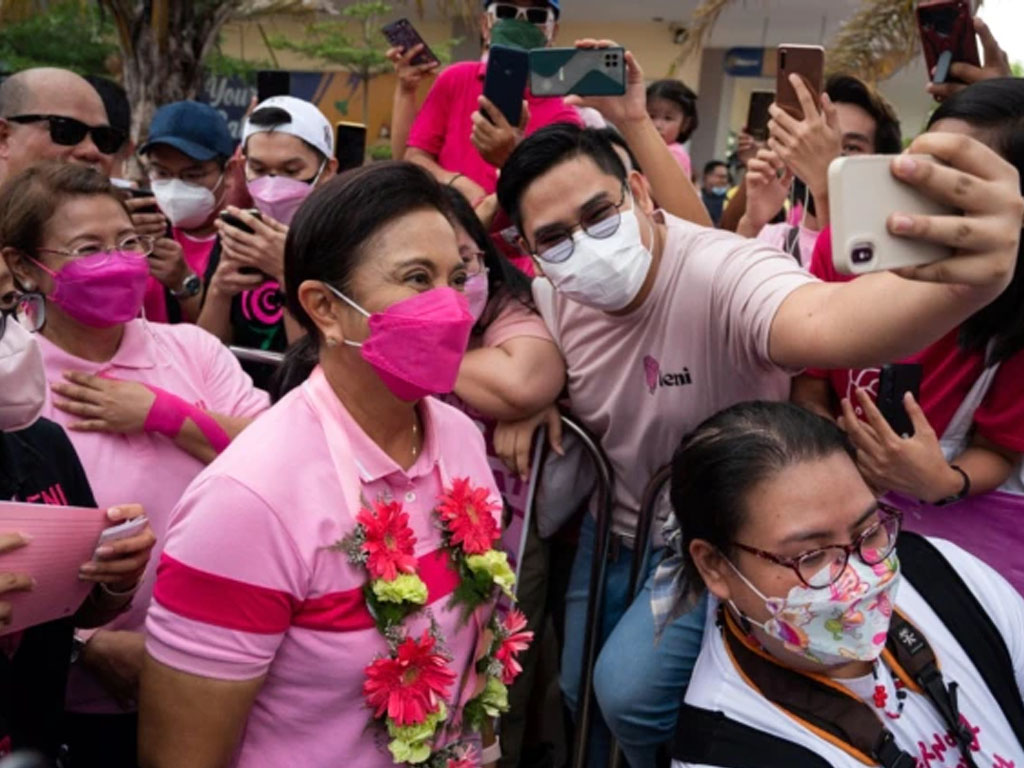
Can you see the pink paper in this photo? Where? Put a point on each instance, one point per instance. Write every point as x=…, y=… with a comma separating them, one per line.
x=63, y=538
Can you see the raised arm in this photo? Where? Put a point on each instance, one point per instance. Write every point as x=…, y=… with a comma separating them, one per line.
x=513, y=380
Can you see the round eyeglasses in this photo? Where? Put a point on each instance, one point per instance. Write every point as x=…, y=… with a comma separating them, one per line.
x=138, y=244
x=600, y=220
x=821, y=568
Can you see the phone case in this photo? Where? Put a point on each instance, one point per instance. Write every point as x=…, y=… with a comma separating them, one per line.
x=757, y=114
x=893, y=383
x=862, y=195
x=350, y=145
x=402, y=34
x=808, y=61
x=505, y=81
x=584, y=72
x=947, y=25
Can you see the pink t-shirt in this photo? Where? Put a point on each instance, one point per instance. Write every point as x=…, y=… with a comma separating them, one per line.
x=776, y=235
x=515, y=320
x=444, y=123
x=249, y=584
x=682, y=157
x=145, y=468
x=698, y=344
x=196, y=252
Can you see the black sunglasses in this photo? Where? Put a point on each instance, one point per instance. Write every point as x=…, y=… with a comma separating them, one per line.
x=68, y=132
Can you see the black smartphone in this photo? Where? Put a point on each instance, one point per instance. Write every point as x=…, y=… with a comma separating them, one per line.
x=402, y=34
x=947, y=35
x=138, y=194
x=757, y=114
x=237, y=223
x=272, y=82
x=895, y=381
x=350, y=145
x=505, y=81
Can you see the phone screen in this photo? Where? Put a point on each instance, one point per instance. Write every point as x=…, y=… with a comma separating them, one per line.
x=947, y=36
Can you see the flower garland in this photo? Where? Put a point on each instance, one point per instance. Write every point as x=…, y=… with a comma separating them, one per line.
x=407, y=689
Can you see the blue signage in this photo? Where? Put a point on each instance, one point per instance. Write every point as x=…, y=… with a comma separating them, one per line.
x=744, y=62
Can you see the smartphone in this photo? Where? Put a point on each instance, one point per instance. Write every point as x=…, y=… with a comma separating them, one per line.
x=272, y=82
x=505, y=81
x=122, y=531
x=757, y=114
x=863, y=193
x=402, y=34
x=140, y=193
x=580, y=71
x=807, y=61
x=947, y=35
x=895, y=381
x=350, y=145
x=237, y=223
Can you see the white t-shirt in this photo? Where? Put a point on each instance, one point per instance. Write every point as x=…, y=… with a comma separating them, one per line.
x=698, y=344
x=919, y=731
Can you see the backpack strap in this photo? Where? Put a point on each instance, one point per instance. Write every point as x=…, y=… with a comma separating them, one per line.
x=937, y=581
x=817, y=703
x=705, y=737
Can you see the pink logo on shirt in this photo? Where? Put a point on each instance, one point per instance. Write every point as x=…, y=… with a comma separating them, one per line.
x=655, y=378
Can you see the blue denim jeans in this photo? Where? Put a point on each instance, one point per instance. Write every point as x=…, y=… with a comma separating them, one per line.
x=639, y=683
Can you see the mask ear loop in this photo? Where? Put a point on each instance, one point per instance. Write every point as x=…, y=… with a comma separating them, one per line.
x=352, y=304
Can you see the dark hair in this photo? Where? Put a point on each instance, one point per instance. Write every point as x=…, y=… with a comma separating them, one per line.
x=326, y=240
x=30, y=199
x=710, y=165
x=847, y=89
x=504, y=282
x=716, y=467
x=271, y=117
x=678, y=93
x=115, y=101
x=545, y=149
x=615, y=138
x=996, y=107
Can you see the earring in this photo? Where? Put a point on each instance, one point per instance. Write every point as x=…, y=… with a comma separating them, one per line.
x=331, y=342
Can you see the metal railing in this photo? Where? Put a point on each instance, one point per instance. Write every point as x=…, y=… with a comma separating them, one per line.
x=247, y=355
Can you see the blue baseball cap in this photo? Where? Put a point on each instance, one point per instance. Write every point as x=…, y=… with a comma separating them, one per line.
x=551, y=4
x=197, y=130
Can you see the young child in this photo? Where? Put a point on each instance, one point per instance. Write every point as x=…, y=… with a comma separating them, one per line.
x=672, y=107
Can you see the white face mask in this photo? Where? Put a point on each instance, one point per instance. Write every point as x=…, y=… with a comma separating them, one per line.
x=605, y=274
x=22, y=378
x=186, y=205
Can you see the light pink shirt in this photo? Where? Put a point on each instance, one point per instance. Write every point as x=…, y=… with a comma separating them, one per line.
x=682, y=157
x=698, y=344
x=775, y=235
x=249, y=585
x=145, y=468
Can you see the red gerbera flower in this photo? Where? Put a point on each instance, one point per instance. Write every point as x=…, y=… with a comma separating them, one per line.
x=410, y=685
x=389, y=540
x=516, y=641
x=466, y=761
x=468, y=514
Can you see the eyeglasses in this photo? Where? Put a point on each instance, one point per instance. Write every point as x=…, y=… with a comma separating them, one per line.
x=68, y=132
x=821, y=568
x=601, y=221
x=536, y=16
x=474, y=261
x=139, y=244
x=27, y=309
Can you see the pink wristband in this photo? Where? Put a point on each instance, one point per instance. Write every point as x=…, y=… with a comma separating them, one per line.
x=168, y=413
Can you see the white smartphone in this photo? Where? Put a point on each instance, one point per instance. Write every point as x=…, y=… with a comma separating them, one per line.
x=122, y=531
x=863, y=193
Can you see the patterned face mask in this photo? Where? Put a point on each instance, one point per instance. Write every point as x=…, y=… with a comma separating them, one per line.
x=846, y=621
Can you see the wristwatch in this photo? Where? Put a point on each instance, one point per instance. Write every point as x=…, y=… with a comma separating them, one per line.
x=962, y=494
x=190, y=286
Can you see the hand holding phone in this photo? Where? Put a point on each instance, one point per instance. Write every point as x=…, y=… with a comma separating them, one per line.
x=947, y=36
x=808, y=63
x=962, y=73
x=758, y=115
x=895, y=381
x=402, y=34
x=505, y=81
x=578, y=71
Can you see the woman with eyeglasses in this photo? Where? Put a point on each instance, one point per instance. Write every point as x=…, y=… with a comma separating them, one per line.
x=828, y=638
x=146, y=405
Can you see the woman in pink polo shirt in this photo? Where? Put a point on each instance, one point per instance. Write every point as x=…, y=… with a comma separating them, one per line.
x=145, y=405
x=327, y=592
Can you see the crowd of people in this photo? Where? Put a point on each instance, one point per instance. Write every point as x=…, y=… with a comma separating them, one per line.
x=324, y=577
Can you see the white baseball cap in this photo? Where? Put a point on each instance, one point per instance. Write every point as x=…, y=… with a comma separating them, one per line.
x=307, y=123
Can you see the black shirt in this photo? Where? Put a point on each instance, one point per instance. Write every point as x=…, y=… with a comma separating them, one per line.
x=38, y=465
x=257, y=319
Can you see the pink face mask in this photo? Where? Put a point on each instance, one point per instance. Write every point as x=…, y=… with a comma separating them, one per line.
x=476, y=294
x=416, y=345
x=101, y=290
x=279, y=197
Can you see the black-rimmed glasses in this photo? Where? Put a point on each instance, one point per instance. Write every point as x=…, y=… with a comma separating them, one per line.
x=820, y=568
x=68, y=132
x=600, y=221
